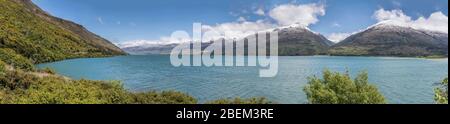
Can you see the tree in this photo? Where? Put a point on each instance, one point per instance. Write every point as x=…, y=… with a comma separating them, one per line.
x=441, y=93
x=336, y=88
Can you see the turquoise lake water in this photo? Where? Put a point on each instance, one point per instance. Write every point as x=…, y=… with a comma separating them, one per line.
x=401, y=80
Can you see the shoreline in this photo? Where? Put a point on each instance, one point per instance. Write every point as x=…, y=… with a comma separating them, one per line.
x=400, y=57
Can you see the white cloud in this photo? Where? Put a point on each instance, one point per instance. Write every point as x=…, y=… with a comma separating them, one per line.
x=241, y=19
x=393, y=15
x=136, y=43
x=300, y=14
x=237, y=29
x=100, y=20
x=437, y=21
x=337, y=37
x=336, y=25
x=260, y=12
x=231, y=30
x=151, y=43
x=304, y=15
x=233, y=14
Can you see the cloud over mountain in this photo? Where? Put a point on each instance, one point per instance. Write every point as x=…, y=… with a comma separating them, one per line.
x=437, y=21
x=303, y=15
x=336, y=37
x=283, y=15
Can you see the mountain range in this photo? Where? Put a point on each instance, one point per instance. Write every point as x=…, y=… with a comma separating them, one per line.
x=293, y=41
x=41, y=37
x=381, y=39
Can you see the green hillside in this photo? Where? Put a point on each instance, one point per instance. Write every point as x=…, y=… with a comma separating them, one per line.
x=30, y=32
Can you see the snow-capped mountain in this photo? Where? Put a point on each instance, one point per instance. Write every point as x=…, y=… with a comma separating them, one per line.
x=293, y=40
x=386, y=39
x=297, y=40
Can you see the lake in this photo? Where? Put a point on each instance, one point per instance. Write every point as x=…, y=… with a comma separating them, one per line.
x=401, y=80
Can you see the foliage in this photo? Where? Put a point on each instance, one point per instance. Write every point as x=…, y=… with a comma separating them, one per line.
x=12, y=58
x=40, y=39
x=441, y=93
x=2, y=67
x=256, y=100
x=165, y=97
x=349, y=51
x=47, y=70
x=19, y=87
x=29, y=36
x=336, y=88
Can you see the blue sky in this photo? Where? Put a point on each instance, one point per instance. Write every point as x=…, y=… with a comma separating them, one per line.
x=128, y=20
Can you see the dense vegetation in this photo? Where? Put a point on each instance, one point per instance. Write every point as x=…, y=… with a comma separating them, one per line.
x=441, y=93
x=336, y=88
x=29, y=36
x=24, y=87
x=256, y=100
x=12, y=58
x=45, y=87
x=35, y=37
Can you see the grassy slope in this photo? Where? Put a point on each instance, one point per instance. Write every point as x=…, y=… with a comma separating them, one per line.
x=38, y=87
x=39, y=39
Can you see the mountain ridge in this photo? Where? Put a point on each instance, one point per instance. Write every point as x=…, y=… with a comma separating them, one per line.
x=393, y=40
x=41, y=37
x=293, y=40
x=71, y=26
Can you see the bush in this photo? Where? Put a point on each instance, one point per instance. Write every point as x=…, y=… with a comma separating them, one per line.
x=2, y=67
x=165, y=97
x=256, y=100
x=18, y=87
x=12, y=80
x=10, y=57
x=26, y=87
x=441, y=93
x=336, y=88
x=47, y=70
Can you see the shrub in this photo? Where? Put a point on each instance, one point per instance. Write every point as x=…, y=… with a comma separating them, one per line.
x=441, y=93
x=48, y=70
x=17, y=79
x=19, y=87
x=165, y=97
x=256, y=100
x=10, y=57
x=336, y=88
x=2, y=67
